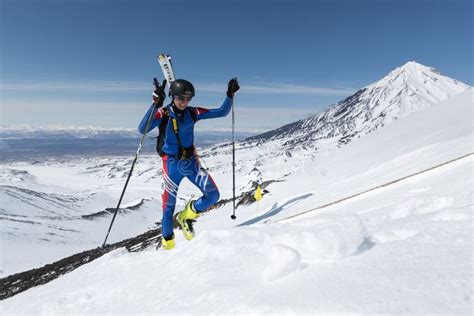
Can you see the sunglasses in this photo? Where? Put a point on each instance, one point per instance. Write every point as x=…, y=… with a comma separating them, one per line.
x=183, y=98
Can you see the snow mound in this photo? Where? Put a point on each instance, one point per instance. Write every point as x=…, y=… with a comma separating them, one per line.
x=451, y=216
x=273, y=251
x=394, y=235
x=421, y=205
x=327, y=236
x=283, y=261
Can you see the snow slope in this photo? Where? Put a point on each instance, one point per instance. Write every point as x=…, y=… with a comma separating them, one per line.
x=402, y=249
x=46, y=204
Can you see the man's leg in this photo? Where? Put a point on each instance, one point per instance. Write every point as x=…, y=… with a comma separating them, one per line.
x=203, y=180
x=199, y=177
x=171, y=178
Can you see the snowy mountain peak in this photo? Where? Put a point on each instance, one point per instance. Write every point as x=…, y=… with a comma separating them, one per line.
x=414, y=67
x=402, y=92
x=408, y=89
x=413, y=73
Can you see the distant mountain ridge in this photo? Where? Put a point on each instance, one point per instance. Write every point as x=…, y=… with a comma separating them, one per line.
x=61, y=131
x=405, y=90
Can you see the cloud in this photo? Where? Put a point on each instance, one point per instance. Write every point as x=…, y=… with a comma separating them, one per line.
x=281, y=88
x=273, y=88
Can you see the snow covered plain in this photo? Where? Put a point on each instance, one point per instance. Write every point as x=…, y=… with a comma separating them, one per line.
x=405, y=248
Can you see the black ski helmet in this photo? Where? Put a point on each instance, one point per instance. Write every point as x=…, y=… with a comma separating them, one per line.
x=182, y=87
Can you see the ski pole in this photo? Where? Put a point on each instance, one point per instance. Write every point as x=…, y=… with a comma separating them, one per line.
x=157, y=86
x=233, y=164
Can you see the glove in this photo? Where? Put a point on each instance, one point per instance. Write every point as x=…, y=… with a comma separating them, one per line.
x=232, y=87
x=159, y=94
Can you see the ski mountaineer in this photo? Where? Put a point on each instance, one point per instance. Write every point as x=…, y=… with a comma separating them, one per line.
x=175, y=122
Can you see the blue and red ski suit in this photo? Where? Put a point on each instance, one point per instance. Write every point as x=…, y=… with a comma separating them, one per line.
x=174, y=169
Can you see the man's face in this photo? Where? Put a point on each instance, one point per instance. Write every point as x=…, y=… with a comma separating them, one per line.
x=182, y=101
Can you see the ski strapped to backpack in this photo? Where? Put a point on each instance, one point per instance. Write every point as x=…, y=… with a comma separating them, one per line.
x=166, y=67
x=183, y=152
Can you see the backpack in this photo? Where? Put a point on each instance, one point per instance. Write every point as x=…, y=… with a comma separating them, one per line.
x=184, y=152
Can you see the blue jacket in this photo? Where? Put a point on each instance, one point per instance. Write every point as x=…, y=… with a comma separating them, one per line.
x=185, y=123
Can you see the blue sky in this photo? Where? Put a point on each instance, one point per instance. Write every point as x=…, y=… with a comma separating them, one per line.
x=84, y=62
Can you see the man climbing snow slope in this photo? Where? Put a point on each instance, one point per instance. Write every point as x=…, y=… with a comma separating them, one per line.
x=175, y=145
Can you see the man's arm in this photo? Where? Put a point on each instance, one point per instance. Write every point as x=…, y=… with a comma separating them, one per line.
x=155, y=109
x=155, y=120
x=232, y=88
x=203, y=113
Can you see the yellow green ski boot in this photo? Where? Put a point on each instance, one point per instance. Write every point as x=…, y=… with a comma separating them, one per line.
x=167, y=244
x=186, y=218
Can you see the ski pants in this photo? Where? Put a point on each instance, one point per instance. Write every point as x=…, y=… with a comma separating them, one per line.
x=174, y=171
